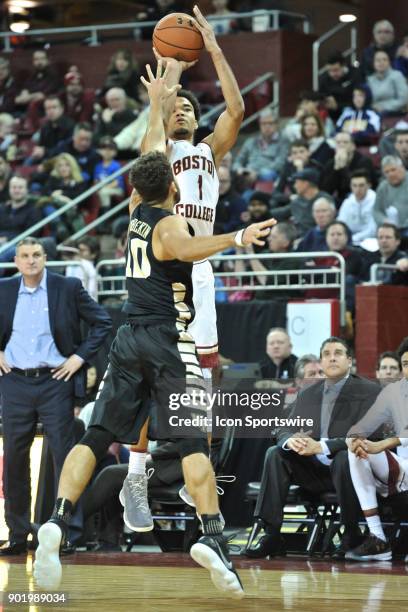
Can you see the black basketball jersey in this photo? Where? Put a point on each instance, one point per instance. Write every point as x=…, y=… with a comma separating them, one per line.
x=158, y=291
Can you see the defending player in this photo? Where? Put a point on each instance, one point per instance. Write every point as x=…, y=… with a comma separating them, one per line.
x=153, y=348
x=195, y=169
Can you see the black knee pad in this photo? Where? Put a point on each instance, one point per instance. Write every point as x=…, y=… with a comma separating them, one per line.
x=190, y=446
x=98, y=440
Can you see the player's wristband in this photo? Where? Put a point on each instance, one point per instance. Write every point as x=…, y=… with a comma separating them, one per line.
x=238, y=238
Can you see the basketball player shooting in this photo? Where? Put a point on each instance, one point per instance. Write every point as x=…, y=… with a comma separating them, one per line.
x=151, y=352
x=195, y=169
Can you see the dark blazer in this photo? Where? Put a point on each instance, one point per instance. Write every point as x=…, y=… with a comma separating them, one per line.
x=356, y=397
x=68, y=305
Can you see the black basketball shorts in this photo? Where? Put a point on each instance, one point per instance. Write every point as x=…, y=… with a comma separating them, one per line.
x=146, y=362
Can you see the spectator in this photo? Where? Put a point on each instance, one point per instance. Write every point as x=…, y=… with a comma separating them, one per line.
x=401, y=145
x=338, y=239
x=337, y=172
x=43, y=359
x=313, y=132
x=389, y=240
x=155, y=10
x=89, y=248
x=310, y=103
x=279, y=362
x=384, y=40
x=391, y=202
x=130, y=138
x=64, y=184
x=43, y=81
x=308, y=369
x=80, y=147
x=375, y=470
x=280, y=240
x=78, y=101
x=230, y=205
x=55, y=130
x=108, y=165
x=357, y=209
x=360, y=120
x=324, y=212
x=388, y=87
x=8, y=137
x=65, y=181
x=388, y=368
x=116, y=116
x=5, y=175
x=388, y=141
x=297, y=160
x=336, y=84
x=316, y=461
x=123, y=72
x=262, y=156
x=8, y=87
x=85, y=272
x=300, y=207
x=18, y=213
x=401, y=57
x=257, y=211
x=222, y=19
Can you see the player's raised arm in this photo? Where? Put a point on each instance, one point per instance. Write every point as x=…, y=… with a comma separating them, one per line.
x=175, y=242
x=228, y=124
x=155, y=137
x=173, y=72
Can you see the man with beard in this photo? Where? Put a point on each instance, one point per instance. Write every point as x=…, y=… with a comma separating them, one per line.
x=42, y=82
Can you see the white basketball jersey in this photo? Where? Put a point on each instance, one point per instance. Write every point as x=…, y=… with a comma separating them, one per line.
x=196, y=176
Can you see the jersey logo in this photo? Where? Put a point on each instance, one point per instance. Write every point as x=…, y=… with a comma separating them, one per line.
x=195, y=211
x=194, y=162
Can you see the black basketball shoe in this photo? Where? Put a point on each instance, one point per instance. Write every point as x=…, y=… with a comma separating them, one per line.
x=372, y=549
x=211, y=552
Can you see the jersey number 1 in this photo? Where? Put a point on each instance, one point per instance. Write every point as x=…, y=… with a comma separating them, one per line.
x=200, y=186
x=138, y=265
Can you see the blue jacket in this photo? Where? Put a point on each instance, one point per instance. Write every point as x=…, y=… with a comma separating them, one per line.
x=68, y=305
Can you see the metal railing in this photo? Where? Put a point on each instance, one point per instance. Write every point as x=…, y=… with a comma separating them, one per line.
x=49, y=264
x=110, y=285
x=204, y=119
x=137, y=26
x=73, y=203
x=350, y=52
x=375, y=269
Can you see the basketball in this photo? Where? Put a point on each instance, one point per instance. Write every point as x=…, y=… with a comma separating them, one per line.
x=176, y=35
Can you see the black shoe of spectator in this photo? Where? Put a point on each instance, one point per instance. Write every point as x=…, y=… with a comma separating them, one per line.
x=13, y=548
x=68, y=548
x=347, y=543
x=270, y=545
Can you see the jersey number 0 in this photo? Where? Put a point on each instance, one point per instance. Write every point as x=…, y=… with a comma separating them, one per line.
x=138, y=265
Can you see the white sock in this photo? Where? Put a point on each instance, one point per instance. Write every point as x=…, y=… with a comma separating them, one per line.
x=137, y=463
x=375, y=527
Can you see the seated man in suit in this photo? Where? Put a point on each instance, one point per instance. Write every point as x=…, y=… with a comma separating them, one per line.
x=316, y=460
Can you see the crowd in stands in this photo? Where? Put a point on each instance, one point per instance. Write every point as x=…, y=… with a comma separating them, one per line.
x=334, y=176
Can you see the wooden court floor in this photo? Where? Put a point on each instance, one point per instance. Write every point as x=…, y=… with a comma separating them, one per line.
x=159, y=582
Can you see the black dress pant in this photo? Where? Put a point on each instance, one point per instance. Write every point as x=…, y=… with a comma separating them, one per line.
x=25, y=401
x=283, y=468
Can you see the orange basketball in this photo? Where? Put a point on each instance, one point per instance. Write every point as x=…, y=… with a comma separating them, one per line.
x=176, y=35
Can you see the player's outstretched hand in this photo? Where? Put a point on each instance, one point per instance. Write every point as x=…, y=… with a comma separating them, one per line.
x=156, y=85
x=206, y=30
x=254, y=233
x=171, y=61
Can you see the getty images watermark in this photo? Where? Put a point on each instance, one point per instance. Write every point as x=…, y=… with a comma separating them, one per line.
x=196, y=408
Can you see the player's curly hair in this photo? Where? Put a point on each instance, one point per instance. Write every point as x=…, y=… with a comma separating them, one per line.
x=151, y=176
x=185, y=93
